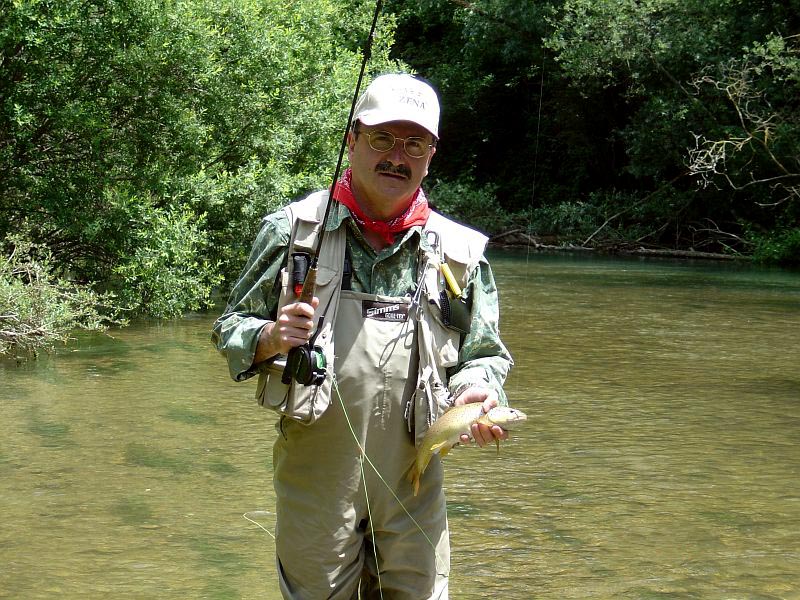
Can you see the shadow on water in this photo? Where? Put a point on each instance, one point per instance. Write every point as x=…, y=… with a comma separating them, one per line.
x=659, y=459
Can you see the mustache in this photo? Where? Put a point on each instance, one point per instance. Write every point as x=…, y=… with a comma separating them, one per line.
x=389, y=168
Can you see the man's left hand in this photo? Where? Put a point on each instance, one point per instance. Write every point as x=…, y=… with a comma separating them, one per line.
x=482, y=434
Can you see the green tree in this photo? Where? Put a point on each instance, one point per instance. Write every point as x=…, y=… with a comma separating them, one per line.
x=137, y=134
x=486, y=59
x=591, y=104
x=755, y=152
x=691, y=100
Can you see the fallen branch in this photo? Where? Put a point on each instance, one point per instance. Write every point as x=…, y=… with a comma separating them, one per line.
x=521, y=239
x=634, y=205
x=692, y=254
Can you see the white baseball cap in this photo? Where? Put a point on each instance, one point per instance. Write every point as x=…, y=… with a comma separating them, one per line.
x=399, y=97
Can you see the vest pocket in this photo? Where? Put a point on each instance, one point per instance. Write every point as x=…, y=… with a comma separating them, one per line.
x=303, y=403
x=442, y=341
x=446, y=341
x=430, y=400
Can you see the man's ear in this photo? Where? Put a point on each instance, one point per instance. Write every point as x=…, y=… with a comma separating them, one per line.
x=430, y=158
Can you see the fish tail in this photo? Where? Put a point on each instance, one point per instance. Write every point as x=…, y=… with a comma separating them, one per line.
x=413, y=477
x=417, y=469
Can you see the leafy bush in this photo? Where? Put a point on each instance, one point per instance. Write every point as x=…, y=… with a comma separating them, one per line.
x=573, y=220
x=470, y=204
x=37, y=310
x=165, y=274
x=778, y=247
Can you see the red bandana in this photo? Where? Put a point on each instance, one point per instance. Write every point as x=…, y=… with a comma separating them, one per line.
x=416, y=213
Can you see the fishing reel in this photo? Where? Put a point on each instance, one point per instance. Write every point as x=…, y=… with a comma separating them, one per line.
x=305, y=364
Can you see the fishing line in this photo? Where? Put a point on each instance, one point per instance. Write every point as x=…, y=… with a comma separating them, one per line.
x=378, y=473
x=369, y=514
x=535, y=156
x=253, y=512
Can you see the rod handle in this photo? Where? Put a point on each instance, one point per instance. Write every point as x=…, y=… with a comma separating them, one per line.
x=309, y=286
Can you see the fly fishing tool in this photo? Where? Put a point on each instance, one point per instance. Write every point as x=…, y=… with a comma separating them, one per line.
x=306, y=364
x=452, y=303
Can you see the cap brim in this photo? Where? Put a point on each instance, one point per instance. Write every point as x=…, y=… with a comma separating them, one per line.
x=378, y=117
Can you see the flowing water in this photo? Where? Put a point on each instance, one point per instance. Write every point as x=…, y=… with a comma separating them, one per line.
x=661, y=458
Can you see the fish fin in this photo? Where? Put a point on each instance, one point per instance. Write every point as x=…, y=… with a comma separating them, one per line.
x=496, y=441
x=441, y=447
x=445, y=449
x=417, y=469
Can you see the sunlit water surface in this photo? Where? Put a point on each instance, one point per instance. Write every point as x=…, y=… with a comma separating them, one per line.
x=661, y=458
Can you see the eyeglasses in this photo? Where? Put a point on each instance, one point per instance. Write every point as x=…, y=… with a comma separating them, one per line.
x=383, y=141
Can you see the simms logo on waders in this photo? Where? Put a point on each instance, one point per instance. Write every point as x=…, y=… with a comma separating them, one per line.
x=384, y=311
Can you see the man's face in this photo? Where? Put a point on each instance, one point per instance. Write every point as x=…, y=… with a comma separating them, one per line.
x=383, y=182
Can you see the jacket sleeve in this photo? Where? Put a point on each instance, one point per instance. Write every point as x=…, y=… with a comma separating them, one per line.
x=253, y=302
x=484, y=361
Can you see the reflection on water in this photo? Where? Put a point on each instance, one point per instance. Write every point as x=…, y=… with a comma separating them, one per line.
x=660, y=458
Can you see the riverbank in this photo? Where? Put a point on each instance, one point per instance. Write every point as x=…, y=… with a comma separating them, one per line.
x=518, y=238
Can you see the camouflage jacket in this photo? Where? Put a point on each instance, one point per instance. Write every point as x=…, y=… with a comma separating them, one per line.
x=253, y=302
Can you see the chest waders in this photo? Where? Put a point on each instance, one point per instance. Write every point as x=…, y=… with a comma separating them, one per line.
x=389, y=356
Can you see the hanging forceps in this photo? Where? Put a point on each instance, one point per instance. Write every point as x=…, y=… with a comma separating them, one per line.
x=415, y=308
x=432, y=237
x=435, y=241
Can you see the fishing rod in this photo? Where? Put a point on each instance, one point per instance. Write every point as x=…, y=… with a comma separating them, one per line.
x=306, y=364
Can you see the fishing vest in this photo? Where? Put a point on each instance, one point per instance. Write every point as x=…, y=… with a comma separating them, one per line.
x=440, y=319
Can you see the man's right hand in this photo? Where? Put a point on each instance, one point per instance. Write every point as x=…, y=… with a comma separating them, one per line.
x=293, y=328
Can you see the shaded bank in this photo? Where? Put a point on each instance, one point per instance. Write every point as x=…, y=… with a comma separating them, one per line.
x=516, y=239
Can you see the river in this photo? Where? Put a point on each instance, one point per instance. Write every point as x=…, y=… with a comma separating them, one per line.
x=661, y=457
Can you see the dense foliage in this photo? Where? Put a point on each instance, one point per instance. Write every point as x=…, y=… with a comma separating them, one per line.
x=141, y=141
x=665, y=123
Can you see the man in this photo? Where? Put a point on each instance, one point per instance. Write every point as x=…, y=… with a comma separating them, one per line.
x=398, y=345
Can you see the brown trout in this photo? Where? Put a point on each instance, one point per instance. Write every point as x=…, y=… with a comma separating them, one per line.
x=446, y=432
